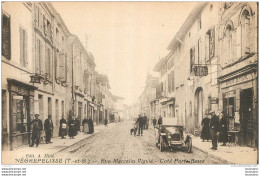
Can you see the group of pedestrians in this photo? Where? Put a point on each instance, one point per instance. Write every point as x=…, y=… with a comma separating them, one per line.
x=71, y=128
x=37, y=127
x=141, y=123
x=215, y=129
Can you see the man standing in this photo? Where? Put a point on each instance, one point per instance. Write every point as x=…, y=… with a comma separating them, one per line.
x=140, y=122
x=154, y=122
x=36, y=130
x=224, y=128
x=48, y=128
x=214, y=125
x=160, y=120
x=145, y=119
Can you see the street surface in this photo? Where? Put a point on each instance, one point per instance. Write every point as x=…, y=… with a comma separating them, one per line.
x=115, y=145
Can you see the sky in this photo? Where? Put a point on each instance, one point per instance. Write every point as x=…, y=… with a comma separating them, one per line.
x=126, y=39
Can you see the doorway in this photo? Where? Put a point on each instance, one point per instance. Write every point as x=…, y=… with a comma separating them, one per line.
x=246, y=119
x=198, y=107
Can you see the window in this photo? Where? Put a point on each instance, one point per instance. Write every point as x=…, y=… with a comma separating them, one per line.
x=48, y=68
x=199, y=52
x=192, y=58
x=246, y=32
x=6, y=36
x=38, y=60
x=210, y=44
x=227, y=45
x=23, y=47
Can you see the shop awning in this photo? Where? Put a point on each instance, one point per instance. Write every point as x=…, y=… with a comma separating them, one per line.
x=22, y=84
x=168, y=101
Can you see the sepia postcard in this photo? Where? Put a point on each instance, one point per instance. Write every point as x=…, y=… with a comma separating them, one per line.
x=129, y=83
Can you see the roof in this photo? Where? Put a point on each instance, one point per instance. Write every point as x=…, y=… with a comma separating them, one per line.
x=89, y=57
x=103, y=79
x=162, y=62
x=187, y=24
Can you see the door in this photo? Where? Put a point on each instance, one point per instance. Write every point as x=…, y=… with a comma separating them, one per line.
x=246, y=104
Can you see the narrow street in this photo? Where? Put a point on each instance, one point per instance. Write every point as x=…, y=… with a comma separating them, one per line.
x=115, y=145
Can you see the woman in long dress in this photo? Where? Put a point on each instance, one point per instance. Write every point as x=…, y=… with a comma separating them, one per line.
x=91, y=126
x=63, y=128
x=85, y=125
x=72, y=128
x=205, y=134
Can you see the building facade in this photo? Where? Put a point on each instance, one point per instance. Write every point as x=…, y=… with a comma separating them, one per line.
x=212, y=65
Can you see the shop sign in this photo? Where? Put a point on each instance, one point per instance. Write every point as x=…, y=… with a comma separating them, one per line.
x=237, y=80
x=213, y=100
x=200, y=70
x=35, y=79
x=17, y=97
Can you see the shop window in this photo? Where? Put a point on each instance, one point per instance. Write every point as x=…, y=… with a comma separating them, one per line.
x=23, y=47
x=20, y=112
x=6, y=36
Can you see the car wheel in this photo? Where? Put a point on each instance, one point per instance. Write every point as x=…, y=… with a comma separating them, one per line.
x=189, y=145
x=161, y=144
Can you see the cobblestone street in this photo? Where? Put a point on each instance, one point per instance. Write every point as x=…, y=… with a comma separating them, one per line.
x=116, y=146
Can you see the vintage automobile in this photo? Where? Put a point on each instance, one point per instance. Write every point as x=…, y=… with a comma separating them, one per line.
x=170, y=136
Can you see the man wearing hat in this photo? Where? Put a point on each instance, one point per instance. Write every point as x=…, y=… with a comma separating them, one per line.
x=214, y=126
x=36, y=130
x=48, y=128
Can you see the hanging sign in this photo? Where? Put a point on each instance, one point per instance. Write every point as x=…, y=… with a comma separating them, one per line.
x=200, y=70
x=17, y=97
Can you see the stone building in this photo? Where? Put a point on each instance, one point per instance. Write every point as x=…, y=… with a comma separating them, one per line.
x=212, y=65
x=238, y=58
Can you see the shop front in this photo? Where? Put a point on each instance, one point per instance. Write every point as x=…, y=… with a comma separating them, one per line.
x=238, y=98
x=21, y=103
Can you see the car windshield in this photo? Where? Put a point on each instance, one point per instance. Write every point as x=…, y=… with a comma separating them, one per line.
x=174, y=130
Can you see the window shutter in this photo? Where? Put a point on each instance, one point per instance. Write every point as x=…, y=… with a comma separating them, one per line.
x=47, y=60
x=169, y=83
x=41, y=58
x=37, y=56
x=21, y=46
x=173, y=88
x=6, y=38
x=66, y=68
x=25, y=49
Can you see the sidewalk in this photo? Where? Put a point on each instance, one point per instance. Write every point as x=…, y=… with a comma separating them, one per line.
x=229, y=154
x=9, y=157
